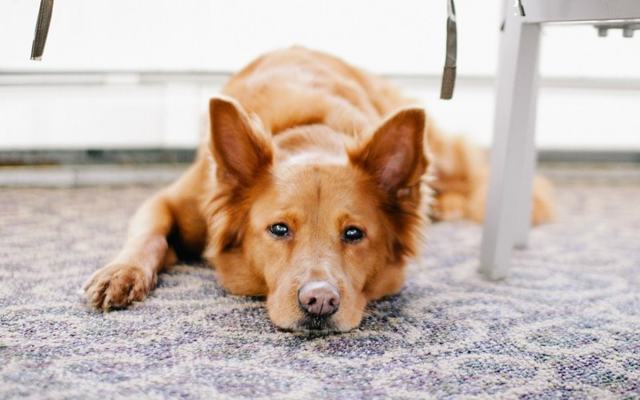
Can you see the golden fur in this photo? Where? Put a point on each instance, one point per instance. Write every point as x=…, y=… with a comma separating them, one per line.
x=304, y=139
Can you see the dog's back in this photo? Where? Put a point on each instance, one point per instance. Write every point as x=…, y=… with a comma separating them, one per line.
x=298, y=86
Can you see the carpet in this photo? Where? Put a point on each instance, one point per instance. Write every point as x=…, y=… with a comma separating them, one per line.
x=565, y=324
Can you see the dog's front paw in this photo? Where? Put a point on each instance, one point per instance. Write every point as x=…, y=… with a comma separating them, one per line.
x=118, y=285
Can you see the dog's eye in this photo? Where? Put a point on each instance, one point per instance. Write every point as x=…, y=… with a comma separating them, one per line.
x=279, y=230
x=352, y=234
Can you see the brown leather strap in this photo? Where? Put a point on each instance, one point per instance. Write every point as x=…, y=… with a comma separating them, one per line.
x=42, y=29
x=449, y=73
x=520, y=8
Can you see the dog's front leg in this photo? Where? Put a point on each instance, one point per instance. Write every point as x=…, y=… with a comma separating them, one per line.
x=133, y=273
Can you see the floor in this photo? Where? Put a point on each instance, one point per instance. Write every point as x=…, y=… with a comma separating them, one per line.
x=565, y=324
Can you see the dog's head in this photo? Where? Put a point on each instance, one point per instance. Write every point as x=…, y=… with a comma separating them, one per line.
x=317, y=224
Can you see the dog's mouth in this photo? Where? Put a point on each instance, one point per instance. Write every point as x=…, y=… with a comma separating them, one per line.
x=314, y=325
x=317, y=323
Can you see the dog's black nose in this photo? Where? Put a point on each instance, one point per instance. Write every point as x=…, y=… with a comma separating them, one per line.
x=319, y=298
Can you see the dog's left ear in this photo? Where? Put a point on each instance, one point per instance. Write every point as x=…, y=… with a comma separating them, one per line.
x=240, y=146
x=395, y=154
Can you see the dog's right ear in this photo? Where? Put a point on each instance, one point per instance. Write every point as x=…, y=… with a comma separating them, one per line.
x=239, y=144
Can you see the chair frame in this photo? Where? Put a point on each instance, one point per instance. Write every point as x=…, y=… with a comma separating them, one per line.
x=513, y=155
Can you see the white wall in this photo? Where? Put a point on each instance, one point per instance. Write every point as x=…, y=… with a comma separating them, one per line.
x=590, y=99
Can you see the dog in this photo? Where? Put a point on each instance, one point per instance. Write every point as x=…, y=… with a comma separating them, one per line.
x=312, y=188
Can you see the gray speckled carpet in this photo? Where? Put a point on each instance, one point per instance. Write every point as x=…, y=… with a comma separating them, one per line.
x=566, y=324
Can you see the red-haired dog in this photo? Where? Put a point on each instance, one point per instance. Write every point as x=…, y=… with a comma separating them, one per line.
x=310, y=190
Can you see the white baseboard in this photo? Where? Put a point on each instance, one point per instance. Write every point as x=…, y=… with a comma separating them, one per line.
x=165, y=110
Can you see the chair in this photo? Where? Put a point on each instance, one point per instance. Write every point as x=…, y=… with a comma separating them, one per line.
x=513, y=157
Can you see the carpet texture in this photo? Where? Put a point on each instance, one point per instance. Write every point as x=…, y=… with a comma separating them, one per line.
x=566, y=324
